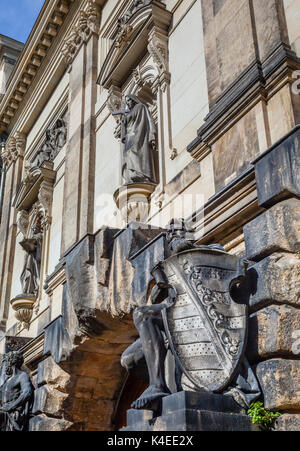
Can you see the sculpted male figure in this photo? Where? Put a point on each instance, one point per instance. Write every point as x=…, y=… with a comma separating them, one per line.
x=138, y=134
x=15, y=394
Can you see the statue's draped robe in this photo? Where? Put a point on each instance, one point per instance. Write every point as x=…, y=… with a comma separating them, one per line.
x=138, y=132
x=30, y=276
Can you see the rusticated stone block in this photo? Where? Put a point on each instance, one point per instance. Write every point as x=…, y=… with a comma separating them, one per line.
x=280, y=383
x=50, y=373
x=271, y=332
x=276, y=230
x=288, y=423
x=48, y=401
x=278, y=170
x=276, y=279
x=43, y=423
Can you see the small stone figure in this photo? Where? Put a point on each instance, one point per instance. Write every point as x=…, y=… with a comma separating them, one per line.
x=30, y=277
x=16, y=393
x=46, y=150
x=59, y=137
x=56, y=138
x=138, y=134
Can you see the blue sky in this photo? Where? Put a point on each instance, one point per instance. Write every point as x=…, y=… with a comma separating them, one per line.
x=18, y=17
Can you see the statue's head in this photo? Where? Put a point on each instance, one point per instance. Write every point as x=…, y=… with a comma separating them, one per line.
x=60, y=123
x=131, y=100
x=176, y=229
x=13, y=360
x=36, y=229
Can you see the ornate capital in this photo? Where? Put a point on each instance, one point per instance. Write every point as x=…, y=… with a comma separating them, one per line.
x=87, y=24
x=14, y=148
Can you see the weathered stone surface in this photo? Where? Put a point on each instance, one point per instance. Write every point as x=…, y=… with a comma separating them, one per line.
x=271, y=332
x=288, y=423
x=276, y=230
x=49, y=401
x=280, y=383
x=188, y=411
x=43, y=423
x=50, y=373
x=278, y=171
x=99, y=412
x=275, y=279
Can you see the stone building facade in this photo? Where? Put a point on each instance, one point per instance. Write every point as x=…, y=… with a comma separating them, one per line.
x=221, y=81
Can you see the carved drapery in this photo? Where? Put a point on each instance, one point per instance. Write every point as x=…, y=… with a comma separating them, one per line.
x=87, y=24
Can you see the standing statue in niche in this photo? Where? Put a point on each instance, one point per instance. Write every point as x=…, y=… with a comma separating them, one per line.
x=30, y=277
x=16, y=393
x=138, y=134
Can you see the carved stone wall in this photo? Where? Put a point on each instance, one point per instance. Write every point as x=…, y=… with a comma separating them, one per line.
x=272, y=241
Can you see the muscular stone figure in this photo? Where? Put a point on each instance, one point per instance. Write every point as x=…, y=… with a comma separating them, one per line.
x=15, y=394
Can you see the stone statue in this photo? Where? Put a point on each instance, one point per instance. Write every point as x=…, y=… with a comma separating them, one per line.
x=138, y=134
x=191, y=311
x=59, y=136
x=30, y=277
x=16, y=393
x=56, y=138
x=46, y=150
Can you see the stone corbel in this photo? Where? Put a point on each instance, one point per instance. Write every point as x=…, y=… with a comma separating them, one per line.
x=87, y=24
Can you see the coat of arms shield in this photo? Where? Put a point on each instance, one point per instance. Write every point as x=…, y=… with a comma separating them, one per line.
x=206, y=327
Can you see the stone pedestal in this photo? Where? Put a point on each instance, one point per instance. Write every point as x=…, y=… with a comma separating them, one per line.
x=191, y=411
x=133, y=201
x=23, y=306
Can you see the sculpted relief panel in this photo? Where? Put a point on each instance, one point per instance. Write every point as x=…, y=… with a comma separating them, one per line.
x=56, y=138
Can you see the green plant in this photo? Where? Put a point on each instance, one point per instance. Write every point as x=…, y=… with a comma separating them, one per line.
x=262, y=416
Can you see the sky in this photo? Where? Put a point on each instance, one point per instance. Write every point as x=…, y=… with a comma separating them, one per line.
x=18, y=17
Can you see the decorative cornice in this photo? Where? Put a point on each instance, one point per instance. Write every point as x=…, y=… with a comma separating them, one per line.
x=34, y=53
x=87, y=24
